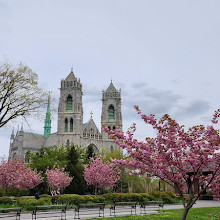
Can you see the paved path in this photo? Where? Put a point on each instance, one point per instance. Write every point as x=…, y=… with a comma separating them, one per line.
x=70, y=213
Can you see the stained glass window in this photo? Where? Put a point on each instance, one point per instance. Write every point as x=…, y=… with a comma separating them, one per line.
x=111, y=112
x=69, y=103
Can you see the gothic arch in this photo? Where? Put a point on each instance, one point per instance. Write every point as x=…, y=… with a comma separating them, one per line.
x=71, y=125
x=69, y=103
x=95, y=149
x=111, y=112
x=66, y=125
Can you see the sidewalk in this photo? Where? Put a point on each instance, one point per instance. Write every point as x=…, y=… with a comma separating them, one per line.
x=70, y=213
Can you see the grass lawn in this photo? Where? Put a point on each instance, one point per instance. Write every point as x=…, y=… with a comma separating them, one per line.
x=194, y=214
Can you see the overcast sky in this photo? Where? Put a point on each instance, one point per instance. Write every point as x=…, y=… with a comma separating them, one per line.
x=164, y=55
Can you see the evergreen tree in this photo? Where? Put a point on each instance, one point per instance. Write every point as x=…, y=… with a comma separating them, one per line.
x=89, y=154
x=75, y=168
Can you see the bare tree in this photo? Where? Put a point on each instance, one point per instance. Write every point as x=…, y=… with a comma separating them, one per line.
x=19, y=92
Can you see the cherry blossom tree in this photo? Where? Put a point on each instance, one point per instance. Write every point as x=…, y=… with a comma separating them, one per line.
x=184, y=159
x=57, y=178
x=14, y=173
x=101, y=175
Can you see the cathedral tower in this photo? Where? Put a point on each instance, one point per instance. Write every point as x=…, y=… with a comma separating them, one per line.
x=70, y=111
x=111, y=111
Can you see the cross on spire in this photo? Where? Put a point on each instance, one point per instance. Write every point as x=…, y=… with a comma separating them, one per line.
x=91, y=113
x=71, y=69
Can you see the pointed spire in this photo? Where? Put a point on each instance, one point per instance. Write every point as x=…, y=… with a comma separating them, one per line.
x=48, y=104
x=71, y=70
x=71, y=76
x=47, y=121
x=91, y=113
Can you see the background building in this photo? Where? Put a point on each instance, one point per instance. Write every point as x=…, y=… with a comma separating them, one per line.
x=71, y=130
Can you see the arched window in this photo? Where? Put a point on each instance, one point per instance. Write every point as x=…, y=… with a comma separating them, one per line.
x=113, y=127
x=69, y=103
x=66, y=125
x=111, y=112
x=71, y=125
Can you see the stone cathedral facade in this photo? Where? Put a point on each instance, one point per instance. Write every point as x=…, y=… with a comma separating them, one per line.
x=70, y=129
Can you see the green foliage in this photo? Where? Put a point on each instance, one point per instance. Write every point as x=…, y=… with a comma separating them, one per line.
x=45, y=196
x=74, y=199
x=124, y=197
x=114, y=154
x=6, y=200
x=14, y=192
x=30, y=208
x=26, y=202
x=6, y=206
x=1, y=192
x=89, y=153
x=48, y=157
x=75, y=168
x=166, y=196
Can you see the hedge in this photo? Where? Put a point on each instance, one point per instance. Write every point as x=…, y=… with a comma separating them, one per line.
x=6, y=200
x=74, y=199
x=25, y=202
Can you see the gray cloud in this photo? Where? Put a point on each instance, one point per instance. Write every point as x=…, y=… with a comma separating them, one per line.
x=159, y=102
x=150, y=100
x=194, y=108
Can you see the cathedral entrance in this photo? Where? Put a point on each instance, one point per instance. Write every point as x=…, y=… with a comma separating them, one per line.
x=92, y=150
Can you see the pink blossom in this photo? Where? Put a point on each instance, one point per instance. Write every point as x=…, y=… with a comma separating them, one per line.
x=14, y=173
x=101, y=175
x=57, y=178
x=177, y=156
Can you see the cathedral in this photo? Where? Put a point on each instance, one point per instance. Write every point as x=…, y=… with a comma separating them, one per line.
x=70, y=129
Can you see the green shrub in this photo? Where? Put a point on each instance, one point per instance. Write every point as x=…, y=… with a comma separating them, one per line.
x=123, y=197
x=147, y=196
x=167, y=196
x=6, y=200
x=45, y=196
x=17, y=192
x=70, y=199
x=1, y=192
x=30, y=208
x=74, y=199
x=26, y=202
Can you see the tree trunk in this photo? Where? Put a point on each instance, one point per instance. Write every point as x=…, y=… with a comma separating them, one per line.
x=185, y=212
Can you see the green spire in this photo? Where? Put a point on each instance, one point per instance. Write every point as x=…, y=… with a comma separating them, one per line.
x=47, y=121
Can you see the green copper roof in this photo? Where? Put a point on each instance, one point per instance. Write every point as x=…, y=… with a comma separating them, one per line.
x=47, y=121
